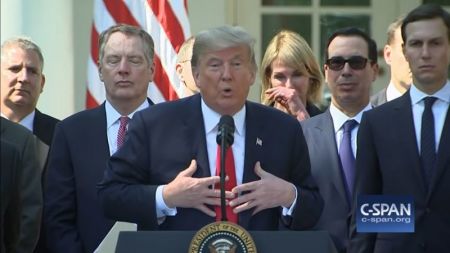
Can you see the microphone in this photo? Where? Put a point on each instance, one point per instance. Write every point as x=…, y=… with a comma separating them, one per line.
x=225, y=138
x=226, y=131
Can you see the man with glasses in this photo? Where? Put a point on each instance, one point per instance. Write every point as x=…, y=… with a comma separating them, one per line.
x=350, y=68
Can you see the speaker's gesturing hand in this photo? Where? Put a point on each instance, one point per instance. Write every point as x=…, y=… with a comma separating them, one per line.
x=190, y=192
x=268, y=192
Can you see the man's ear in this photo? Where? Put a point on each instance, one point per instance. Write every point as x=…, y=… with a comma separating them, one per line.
x=253, y=76
x=375, y=69
x=100, y=72
x=152, y=71
x=179, y=70
x=196, y=75
x=42, y=82
x=387, y=54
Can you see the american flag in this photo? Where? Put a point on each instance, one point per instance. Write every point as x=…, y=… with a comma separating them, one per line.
x=168, y=24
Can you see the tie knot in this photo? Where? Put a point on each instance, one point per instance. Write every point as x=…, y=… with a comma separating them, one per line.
x=429, y=101
x=349, y=125
x=123, y=120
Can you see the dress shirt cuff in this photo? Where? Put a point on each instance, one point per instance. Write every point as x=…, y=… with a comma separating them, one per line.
x=289, y=210
x=162, y=209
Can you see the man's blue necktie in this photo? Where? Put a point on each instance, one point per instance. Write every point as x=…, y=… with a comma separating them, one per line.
x=346, y=155
x=427, y=140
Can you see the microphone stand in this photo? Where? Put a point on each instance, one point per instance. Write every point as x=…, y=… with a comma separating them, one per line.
x=223, y=150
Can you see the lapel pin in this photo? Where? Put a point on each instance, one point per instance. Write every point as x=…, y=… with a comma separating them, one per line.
x=258, y=142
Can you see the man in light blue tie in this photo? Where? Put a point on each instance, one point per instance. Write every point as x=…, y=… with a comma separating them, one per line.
x=350, y=68
x=403, y=145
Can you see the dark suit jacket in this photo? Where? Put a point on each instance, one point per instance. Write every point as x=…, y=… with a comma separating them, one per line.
x=327, y=171
x=162, y=140
x=30, y=185
x=379, y=98
x=388, y=162
x=74, y=221
x=312, y=109
x=44, y=126
x=10, y=206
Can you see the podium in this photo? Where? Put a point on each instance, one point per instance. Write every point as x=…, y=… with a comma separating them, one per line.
x=266, y=241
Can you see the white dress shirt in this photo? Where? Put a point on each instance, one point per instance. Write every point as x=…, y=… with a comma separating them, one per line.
x=440, y=108
x=339, y=118
x=27, y=121
x=113, y=123
x=392, y=92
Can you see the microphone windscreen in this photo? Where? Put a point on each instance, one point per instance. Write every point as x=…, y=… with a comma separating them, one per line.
x=226, y=128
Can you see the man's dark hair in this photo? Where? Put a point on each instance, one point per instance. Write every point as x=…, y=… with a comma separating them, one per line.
x=424, y=12
x=351, y=32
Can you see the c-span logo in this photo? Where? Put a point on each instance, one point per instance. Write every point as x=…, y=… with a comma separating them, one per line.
x=385, y=213
x=222, y=237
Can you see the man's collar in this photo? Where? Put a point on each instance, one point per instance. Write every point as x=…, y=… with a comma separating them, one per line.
x=211, y=118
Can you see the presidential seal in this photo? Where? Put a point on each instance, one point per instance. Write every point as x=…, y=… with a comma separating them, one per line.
x=222, y=237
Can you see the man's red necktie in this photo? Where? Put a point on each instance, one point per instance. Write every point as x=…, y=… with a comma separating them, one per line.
x=230, y=171
x=122, y=130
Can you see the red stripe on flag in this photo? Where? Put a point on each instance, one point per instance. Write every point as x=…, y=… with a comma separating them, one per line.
x=120, y=12
x=165, y=15
x=90, y=101
x=162, y=81
x=94, y=44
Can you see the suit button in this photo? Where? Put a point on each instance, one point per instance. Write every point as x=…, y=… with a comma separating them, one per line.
x=422, y=245
x=428, y=211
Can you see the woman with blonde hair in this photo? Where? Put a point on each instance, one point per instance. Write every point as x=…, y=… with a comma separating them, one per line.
x=291, y=77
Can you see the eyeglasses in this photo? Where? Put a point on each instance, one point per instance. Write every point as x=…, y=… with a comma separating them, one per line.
x=355, y=62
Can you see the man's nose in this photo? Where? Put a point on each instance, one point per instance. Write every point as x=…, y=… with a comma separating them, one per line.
x=346, y=70
x=24, y=74
x=124, y=67
x=226, y=72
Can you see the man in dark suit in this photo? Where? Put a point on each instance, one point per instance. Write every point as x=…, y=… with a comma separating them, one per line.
x=21, y=85
x=30, y=184
x=84, y=141
x=399, y=67
x=403, y=145
x=325, y=133
x=162, y=177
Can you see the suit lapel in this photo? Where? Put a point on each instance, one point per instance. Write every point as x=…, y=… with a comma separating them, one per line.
x=442, y=154
x=325, y=132
x=194, y=130
x=254, y=128
x=98, y=132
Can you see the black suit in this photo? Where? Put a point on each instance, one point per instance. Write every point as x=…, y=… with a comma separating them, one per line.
x=388, y=162
x=11, y=161
x=162, y=140
x=74, y=221
x=30, y=185
x=44, y=127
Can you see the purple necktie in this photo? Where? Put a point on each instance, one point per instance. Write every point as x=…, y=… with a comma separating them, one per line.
x=427, y=140
x=346, y=155
x=122, y=130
